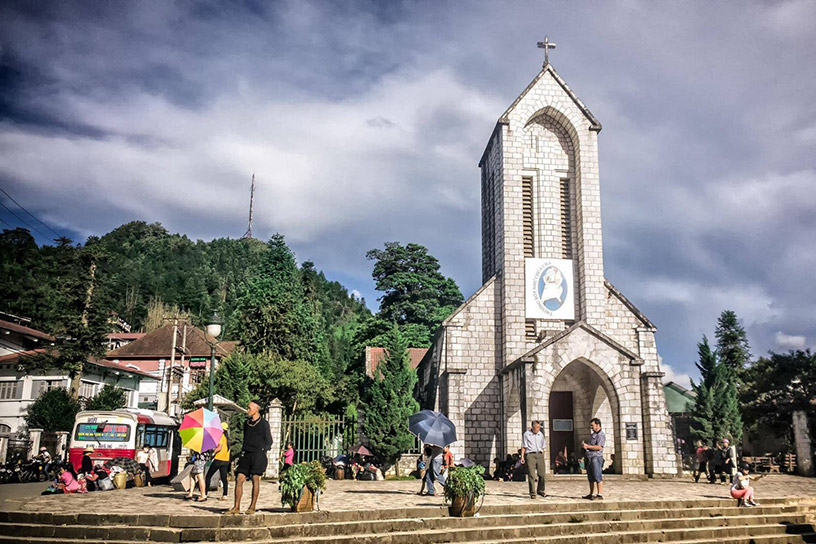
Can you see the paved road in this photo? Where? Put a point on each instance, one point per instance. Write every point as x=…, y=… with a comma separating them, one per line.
x=12, y=496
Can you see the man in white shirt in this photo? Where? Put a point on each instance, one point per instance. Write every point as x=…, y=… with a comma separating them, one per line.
x=532, y=455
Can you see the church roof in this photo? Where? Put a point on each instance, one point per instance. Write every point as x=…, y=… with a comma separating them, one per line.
x=546, y=69
x=595, y=124
x=626, y=302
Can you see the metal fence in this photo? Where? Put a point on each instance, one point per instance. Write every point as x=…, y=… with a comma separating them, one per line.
x=50, y=441
x=314, y=438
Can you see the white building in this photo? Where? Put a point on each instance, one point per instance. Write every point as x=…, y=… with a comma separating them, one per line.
x=19, y=387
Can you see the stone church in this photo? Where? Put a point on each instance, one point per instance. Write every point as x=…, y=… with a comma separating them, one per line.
x=547, y=337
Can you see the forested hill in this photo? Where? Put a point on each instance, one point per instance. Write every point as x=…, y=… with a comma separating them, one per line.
x=143, y=271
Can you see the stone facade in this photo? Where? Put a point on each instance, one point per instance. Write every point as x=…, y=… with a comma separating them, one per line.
x=492, y=370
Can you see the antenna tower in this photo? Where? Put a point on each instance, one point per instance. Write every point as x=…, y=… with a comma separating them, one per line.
x=248, y=233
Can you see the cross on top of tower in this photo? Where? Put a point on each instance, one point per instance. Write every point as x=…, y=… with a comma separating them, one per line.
x=546, y=45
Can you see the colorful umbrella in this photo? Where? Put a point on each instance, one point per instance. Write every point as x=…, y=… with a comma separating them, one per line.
x=361, y=450
x=201, y=430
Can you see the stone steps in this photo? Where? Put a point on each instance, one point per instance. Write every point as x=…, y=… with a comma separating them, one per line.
x=707, y=520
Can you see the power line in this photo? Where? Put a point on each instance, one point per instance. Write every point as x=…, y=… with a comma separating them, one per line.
x=29, y=213
x=24, y=221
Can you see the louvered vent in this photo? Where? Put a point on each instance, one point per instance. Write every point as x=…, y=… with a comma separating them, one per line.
x=527, y=209
x=566, y=220
x=530, y=328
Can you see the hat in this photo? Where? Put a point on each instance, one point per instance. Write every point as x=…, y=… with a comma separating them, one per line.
x=88, y=449
x=725, y=441
x=43, y=449
x=225, y=425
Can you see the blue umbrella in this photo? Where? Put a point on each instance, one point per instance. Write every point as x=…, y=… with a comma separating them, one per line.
x=432, y=428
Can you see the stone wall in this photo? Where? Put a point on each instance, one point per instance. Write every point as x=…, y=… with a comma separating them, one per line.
x=469, y=390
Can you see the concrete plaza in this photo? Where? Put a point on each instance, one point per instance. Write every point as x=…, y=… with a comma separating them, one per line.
x=353, y=495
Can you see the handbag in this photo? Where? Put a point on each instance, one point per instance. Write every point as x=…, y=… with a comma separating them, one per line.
x=104, y=484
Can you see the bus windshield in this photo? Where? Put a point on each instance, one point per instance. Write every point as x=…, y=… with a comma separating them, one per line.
x=94, y=432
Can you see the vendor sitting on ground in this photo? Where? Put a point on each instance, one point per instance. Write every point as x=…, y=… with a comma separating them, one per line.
x=67, y=480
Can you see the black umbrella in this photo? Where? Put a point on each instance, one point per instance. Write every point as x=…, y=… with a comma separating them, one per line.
x=432, y=428
x=128, y=464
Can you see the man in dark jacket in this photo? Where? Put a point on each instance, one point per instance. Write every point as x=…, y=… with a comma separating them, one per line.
x=252, y=464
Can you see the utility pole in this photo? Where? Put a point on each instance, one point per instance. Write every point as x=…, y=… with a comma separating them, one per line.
x=248, y=233
x=183, y=372
x=172, y=365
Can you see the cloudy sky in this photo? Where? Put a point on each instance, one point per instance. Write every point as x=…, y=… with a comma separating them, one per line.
x=364, y=122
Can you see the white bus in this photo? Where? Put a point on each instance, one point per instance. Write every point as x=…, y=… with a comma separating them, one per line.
x=121, y=433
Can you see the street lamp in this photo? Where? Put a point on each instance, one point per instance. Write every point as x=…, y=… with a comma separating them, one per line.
x=214, y=328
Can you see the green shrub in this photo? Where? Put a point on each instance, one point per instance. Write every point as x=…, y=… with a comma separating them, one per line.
x=466, y=482
x=310, y=475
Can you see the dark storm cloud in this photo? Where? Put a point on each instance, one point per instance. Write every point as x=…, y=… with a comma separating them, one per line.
x=364, y=123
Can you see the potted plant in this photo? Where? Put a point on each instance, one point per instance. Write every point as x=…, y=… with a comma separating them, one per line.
x=463, y=488
x=301, y=484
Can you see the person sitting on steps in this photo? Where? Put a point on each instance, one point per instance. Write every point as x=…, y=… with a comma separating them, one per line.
x=741, y=488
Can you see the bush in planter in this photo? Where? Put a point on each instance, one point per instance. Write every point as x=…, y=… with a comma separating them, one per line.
x=310, y=475
x=463, y=487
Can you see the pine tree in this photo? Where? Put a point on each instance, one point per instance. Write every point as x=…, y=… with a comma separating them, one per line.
x=702, y=415
x=272, y=315
x=716, y=410
x=732, y=343
x=390, y=401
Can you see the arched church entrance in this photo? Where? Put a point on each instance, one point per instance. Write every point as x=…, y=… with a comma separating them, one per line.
x=578, y=394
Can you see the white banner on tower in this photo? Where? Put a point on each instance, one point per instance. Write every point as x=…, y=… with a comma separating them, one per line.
x=549, y=289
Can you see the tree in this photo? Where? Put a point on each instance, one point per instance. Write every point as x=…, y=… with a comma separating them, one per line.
x=390, y=401
x=54, y=410
x=79, y=321
x=732, y=343
x=109, y=398
x=778, y=385
x=271, y=315
x=716, y=411
x=297, y=384
x=702, y=415
x=414, y=291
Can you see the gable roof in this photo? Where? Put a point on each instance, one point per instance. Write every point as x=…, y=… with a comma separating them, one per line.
x=375, y=355
x=594, y=124
x=547, y=68
x=21, y=356
x=626, y=302
x=159, y=343
x=591, y=330
x=25, y=331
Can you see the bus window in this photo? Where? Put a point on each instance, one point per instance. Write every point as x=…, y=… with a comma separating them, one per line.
x=155, y=436
x=108, y=432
